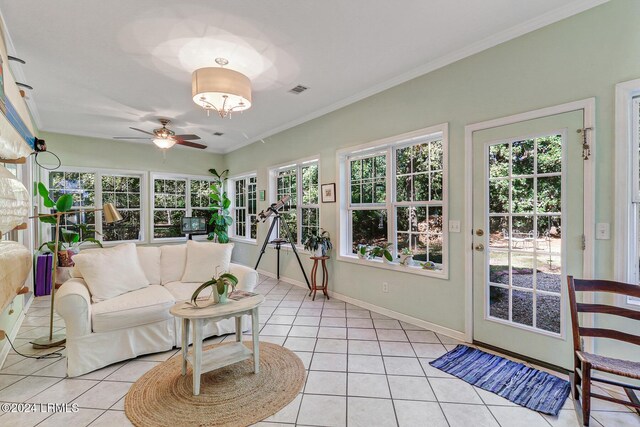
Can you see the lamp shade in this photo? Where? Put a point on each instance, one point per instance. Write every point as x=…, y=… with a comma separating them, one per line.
x=111, y=214
x=222, y=89
x=164, y=143
x=14, y=202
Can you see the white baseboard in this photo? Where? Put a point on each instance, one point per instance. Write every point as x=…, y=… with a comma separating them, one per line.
x=6, y=347
x=460, y=336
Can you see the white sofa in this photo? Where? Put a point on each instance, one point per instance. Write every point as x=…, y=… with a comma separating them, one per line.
x=137, y=322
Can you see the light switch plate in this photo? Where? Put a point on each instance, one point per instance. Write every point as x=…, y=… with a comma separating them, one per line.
x=454, y=226
x=603, y=231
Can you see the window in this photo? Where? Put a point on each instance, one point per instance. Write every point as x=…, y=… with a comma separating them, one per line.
x=90, y=190
x=627, y=259
x=301, y=183
x=635, y=198
x=199, y=196
x=396, y=194
x=175, y=197
x=125, y=194
x=169, y=207
x=243, y=193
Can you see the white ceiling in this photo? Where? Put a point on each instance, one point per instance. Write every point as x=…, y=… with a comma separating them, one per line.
x=98, y=67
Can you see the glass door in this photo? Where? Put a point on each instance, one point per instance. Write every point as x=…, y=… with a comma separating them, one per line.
x=528, y=227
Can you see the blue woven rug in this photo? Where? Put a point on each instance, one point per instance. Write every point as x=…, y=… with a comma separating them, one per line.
x=514, y=381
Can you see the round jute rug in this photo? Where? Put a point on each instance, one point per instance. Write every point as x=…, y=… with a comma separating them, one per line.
x=230, y=396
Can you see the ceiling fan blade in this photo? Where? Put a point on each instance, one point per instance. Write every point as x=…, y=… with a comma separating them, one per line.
x=190, y=144
x=143, y=131
x=130, y=137
x=189, y=136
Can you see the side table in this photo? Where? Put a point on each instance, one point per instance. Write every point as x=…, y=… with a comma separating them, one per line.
x=325, y=276
x=209, y=360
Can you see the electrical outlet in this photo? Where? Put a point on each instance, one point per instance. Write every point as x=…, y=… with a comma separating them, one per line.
x=603, y=231
x=385, y=287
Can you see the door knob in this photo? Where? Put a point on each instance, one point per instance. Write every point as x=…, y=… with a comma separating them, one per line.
x=479, y=232
x=479, y=247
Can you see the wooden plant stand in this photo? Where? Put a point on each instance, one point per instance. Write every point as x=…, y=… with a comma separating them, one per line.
x=325, y=276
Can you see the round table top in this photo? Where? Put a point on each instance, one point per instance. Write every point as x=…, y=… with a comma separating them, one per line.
x=319, y=257
x=186, y=310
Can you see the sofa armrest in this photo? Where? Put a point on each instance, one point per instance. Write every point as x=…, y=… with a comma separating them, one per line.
x=247, y=277
x=73, y=303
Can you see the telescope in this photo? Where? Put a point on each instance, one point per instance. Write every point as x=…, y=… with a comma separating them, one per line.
x=274, y=208
x=278, y=242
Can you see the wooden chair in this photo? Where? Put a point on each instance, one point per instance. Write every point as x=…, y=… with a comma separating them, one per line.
x=585, y=363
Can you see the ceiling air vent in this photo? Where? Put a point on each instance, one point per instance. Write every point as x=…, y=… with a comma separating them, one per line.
x=298, y=89
x=218, y=134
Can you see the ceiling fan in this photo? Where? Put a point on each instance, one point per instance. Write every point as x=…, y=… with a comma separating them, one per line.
x=166, y=138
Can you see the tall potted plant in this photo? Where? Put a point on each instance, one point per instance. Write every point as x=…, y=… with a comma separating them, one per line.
x=221, y=218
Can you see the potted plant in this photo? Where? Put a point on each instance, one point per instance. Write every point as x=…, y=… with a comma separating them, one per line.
x=362, y=251
x=320, y=243
x=406, y=255
x=383, y=251
x=219, y=288
x=69, y=240
x=221, y=218
x=429, y=265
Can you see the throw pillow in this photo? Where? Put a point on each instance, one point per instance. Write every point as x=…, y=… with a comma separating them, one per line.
x=204, y=259
x=111, y=272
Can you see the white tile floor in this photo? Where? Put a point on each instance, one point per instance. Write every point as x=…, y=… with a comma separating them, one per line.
x=364, y=369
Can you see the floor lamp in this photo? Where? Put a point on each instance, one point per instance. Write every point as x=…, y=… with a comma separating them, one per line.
x=111, y=215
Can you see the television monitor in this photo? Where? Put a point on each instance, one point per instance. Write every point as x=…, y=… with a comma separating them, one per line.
x=192, y=225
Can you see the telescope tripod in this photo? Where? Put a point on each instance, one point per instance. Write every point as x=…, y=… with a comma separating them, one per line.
x=277, y=219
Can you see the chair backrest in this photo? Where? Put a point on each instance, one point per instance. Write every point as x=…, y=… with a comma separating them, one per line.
x=605, y=286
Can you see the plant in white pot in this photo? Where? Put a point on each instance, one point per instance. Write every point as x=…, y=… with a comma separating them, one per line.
x=406, y=256
x=220, y=285
x=318, y=243
x=383, y=251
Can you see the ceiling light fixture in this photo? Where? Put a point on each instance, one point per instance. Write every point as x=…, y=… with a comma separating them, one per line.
x=164, y=143
x=220, y=89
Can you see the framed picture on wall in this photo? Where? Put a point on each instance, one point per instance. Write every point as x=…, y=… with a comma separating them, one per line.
x=262, y=196
x=329, y=193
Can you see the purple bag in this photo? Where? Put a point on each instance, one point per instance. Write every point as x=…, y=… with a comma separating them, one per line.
x=43, y=274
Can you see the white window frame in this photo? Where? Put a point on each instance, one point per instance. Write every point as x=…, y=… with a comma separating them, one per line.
x=389, y=145
x=273, y=192
x=627, y=194
x=188, y=207
x=231, y=193
x=46, y=235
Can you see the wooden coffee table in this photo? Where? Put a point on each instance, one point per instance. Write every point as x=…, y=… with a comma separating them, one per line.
x=224, y=355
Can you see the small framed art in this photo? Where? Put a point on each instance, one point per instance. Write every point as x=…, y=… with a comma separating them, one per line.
x=329, y=193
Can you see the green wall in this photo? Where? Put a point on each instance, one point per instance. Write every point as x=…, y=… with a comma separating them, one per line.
x=108, y=153
x=580, y=57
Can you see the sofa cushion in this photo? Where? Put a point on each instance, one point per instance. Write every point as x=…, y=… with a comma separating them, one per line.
x=182, y=291
x=110, y=272
x=135, y=308
x=172, y=261
x=149, y=257
x=206, y=259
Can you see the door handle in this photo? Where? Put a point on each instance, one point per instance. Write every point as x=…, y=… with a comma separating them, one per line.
x=479, y=247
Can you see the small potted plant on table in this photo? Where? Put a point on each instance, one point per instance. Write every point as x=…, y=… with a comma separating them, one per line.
x=219, y=288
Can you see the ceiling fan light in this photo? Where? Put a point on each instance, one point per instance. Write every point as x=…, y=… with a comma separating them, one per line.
x=221, y=89
x=164, y=143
